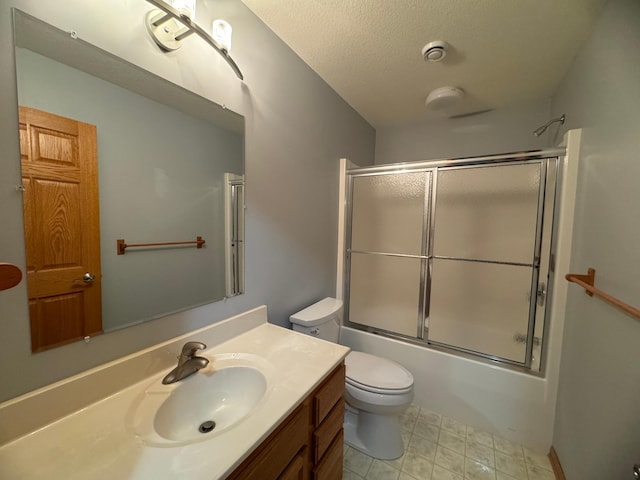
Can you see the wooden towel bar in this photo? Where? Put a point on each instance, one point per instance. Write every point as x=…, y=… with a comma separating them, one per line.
x=587, y=281
x=122, y=246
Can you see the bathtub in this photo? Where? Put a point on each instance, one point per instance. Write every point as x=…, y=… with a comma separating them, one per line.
x=514, y=405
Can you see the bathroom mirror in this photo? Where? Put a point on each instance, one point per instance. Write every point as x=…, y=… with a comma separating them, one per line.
x=133, y=189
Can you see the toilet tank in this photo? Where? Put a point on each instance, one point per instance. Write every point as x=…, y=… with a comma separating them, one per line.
x=321, y=320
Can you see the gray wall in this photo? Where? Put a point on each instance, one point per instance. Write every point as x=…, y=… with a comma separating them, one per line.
x=597, y=428
x=503, y=130
x=296, y=130
x=161, y=175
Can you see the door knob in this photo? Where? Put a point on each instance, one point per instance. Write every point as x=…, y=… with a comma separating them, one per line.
x=88, y=278
x=636, y=471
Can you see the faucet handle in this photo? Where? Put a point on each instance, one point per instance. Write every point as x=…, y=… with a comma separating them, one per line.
x=189, y=349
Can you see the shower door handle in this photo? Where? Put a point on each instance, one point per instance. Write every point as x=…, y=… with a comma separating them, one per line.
x=541, y=293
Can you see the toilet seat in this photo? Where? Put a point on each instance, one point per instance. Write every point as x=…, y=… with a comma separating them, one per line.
x=377, y=375
x=381, y=391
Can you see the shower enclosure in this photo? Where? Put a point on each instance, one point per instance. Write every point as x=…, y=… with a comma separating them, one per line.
x=454, y=254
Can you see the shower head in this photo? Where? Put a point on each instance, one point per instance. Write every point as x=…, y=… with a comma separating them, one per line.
x=540, y=130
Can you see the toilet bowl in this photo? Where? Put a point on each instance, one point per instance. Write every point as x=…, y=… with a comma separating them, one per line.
x=377, y=390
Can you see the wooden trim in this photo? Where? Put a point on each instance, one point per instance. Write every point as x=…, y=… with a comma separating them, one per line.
x=587, y=282
x=555, y=464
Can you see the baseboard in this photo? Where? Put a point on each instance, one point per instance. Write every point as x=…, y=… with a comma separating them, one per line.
x=555, y=464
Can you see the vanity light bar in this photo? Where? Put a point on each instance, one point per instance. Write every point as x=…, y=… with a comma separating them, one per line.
x=168, y=40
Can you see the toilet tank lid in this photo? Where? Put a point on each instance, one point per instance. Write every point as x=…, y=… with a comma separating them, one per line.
x=317, y=313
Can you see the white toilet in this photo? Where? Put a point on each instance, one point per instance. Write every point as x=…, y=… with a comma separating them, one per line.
x=377, y=390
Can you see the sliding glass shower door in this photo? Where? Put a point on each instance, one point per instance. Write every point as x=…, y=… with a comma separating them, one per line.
x=484, y=253
x=450, y=254
x=387, y=254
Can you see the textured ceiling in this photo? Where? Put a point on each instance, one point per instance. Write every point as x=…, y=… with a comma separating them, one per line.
x=502, y=51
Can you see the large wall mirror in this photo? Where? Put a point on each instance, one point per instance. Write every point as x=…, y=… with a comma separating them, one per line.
x=114, y=161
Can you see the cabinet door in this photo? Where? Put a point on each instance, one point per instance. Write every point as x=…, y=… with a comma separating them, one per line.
x=295, y=470
x=276, y=453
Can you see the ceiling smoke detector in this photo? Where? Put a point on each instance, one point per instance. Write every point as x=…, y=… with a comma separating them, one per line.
x=434, y=51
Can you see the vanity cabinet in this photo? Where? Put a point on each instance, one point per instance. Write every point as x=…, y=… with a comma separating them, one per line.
x=307, y=445
x=326, y=427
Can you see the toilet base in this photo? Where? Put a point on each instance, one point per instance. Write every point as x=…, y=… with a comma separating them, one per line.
x=375, y=435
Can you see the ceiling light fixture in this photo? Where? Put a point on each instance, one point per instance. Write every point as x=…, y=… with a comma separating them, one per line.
x=434, y=51
x=444, y=98
x=170, y=24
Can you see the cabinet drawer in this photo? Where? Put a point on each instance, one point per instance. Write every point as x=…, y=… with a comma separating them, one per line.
x=331, y=466
x=327, y=431
x=275, y=453
x=328, y=394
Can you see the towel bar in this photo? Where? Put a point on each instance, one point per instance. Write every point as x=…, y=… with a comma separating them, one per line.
x=587, y=282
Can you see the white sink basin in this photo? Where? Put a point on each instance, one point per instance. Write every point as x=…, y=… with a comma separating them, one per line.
x=203, y=405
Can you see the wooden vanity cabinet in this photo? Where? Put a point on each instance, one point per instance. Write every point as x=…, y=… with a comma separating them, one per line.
x=308, y=444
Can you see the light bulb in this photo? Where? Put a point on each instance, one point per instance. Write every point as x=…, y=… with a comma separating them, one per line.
x=221, y=33
x=185, y=7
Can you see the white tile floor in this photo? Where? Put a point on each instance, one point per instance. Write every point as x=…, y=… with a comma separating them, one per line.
x=440, y=448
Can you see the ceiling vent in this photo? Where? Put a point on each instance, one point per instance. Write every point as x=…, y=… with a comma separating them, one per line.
x=434, y=51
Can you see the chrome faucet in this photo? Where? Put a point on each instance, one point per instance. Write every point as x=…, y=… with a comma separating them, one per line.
x=188, y=363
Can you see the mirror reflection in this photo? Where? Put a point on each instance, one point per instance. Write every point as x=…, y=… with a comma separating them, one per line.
x=111, y=153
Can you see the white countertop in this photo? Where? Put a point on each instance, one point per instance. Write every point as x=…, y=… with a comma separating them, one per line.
x=97, y=443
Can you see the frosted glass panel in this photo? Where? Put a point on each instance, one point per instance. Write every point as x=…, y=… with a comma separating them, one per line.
x=385, y=292
x=388, y=212
x=487, y=213
x=480, y=307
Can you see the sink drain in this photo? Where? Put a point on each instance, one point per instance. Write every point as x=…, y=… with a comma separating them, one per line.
x=206, y=427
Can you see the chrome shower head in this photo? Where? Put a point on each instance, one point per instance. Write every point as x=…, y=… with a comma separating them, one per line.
x=539, y=131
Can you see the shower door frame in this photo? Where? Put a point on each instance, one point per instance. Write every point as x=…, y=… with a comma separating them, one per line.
x=550, y=173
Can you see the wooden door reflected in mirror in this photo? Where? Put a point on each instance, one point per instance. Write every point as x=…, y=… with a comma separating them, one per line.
x=62, y=228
